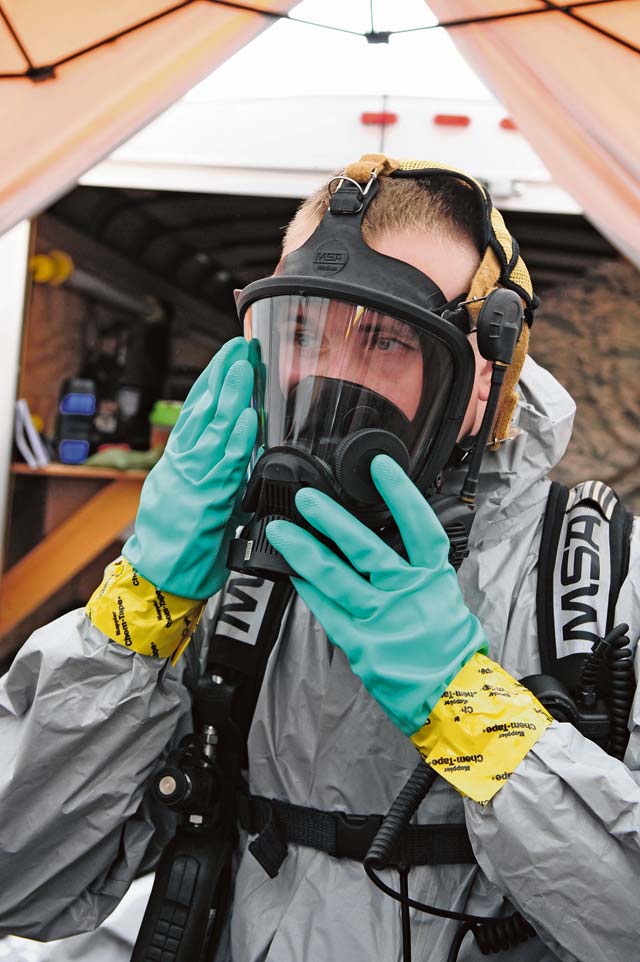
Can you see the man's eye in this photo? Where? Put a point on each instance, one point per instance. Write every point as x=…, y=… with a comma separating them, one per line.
x=303, y=338
x=386, y=342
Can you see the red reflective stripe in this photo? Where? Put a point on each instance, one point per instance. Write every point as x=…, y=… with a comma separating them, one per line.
x=508, y=124
x=380, y=118
x=452, y=120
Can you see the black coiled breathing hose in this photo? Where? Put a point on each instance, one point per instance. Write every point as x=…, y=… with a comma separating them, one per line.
x=621, y=684
x=590, y=675
x=617, y=683
x=491, y=934
x=404, y=806
x=496, y=935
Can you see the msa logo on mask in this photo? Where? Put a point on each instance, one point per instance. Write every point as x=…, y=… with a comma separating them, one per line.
x=330, y=257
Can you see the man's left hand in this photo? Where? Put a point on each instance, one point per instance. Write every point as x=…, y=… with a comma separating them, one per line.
x=403, y=625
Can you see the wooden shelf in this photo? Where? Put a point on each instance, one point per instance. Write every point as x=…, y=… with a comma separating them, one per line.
x=57, y=470
x=95, y=521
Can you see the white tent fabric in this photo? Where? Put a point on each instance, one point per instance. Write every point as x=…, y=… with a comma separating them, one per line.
x=571, y=80
x=57, y=124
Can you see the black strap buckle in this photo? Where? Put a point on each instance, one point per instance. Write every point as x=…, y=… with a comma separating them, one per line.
x=354, y=834
x=349, y=197
x=269, y=848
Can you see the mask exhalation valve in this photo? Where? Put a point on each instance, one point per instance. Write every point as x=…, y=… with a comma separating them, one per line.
x=353, y=459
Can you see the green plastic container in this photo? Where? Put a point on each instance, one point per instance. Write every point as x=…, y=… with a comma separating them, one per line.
x=164, y=415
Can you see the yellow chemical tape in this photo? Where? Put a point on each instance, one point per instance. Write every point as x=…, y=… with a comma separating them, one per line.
x=481, y=728
x=134, y=613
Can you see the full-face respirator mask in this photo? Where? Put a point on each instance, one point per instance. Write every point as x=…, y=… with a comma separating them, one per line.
x=357, y=354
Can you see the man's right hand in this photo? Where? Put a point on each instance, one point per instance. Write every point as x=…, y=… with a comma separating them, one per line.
x=183, y=523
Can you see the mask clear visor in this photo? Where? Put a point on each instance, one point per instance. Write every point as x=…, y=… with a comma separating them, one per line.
x=327, y=369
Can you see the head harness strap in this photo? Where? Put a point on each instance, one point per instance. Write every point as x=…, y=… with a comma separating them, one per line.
x=501, y=264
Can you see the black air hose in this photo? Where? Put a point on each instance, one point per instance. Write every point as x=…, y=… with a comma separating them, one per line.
x=404, y=806
x=491, y=934
x=494, y=936
x=622, y=686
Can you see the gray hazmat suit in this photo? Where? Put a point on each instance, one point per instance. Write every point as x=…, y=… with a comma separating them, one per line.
x=84, y=722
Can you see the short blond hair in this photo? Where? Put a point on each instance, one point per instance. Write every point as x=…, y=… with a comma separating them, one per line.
x=421, y=205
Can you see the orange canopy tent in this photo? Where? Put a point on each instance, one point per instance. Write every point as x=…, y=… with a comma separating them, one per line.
x=77, y=78
x=569, y=74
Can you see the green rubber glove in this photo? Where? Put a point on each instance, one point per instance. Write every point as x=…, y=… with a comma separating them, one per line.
x=184, y=522
x=403, y=625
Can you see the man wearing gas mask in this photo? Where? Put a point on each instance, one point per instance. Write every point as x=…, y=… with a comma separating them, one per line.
x=395, y=431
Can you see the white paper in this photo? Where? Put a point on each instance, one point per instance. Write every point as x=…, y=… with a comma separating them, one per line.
x=28, y=440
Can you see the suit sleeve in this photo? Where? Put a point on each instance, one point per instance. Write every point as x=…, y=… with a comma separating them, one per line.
x=562, y=838
x=83, y=724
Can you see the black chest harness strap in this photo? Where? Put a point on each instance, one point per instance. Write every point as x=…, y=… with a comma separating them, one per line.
x=344, y=836
x=584, y=558
x=587, y=676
